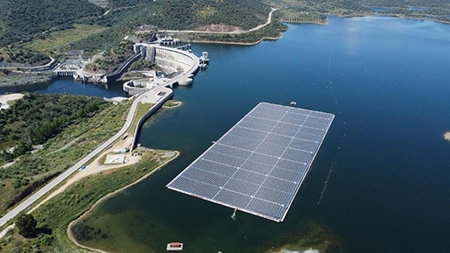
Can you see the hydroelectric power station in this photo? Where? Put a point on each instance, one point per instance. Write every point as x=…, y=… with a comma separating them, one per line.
x=179, y=66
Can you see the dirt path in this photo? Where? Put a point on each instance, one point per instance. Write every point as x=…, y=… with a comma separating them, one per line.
x=94, y=168
x=66, y=146
x=4, y=99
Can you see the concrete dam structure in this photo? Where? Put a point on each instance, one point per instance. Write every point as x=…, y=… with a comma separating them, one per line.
x=178, y=65
x=172, y=60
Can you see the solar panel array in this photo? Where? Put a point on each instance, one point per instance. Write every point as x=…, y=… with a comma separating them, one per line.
x=260, y=163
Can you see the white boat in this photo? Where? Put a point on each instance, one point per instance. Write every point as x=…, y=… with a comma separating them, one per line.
x=174, y=246
x=204, y=58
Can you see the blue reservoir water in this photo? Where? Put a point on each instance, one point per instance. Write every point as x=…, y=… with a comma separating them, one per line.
x=387, y=82
x=69, y=86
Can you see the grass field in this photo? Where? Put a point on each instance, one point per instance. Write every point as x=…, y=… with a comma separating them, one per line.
x=61, y=152
x=141, y=110
x=55, y=215
x=60, y=40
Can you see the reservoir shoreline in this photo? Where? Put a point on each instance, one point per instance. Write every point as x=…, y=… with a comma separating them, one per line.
x=360, y=192
x=104, y=198
x=382, y=179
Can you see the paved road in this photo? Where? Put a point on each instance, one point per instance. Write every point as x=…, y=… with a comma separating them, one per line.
x=30, y=200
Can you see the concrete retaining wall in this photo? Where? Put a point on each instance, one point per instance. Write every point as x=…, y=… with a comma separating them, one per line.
x=150, y=112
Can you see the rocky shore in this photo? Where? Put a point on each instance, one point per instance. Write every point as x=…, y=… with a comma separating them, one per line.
x=25, y=79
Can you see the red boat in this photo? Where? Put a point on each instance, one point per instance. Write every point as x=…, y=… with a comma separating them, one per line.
x=174, y=246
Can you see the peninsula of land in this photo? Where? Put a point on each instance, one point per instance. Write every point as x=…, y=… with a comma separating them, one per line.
x=101, y=173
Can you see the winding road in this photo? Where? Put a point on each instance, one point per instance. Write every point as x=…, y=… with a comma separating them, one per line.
x=47, y=188
x=269, y=19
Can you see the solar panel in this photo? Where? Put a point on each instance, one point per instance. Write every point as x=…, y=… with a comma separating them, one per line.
x=259, y=165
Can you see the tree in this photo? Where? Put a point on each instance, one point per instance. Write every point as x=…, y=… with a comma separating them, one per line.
x=26, y=225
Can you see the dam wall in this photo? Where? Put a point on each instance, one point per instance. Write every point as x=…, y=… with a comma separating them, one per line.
x=175, y=60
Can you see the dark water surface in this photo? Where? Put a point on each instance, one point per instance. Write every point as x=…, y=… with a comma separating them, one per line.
x=388, y=82
x=69, y=86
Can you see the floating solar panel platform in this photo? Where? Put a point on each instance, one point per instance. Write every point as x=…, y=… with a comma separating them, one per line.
x=259, y=165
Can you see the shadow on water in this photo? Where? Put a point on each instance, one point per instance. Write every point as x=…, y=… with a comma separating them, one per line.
x=66, y=85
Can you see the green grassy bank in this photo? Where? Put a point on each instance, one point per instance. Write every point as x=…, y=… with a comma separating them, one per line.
x=31, y=170
x=61, y=152
x=54, y=216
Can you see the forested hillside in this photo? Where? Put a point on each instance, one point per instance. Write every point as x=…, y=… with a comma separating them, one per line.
x=19, y=19
x=35, y=118
x=190, y=14
x=32, y=120
x=173, y=15
x=329, y=5
x=125, y=3
x=67, y=126
x=437, y=10
x=17, y=15
x=32, y=20
x=314, y=10
x=405, y=3
x=50, y=16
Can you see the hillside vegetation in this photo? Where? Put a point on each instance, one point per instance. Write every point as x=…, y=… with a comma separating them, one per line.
x=45, y=119
x=190, y=14
x=313, y=10
x=405, y=3
x=20, y=19
x=36, y=118
x=54, y=216
x=113, y=20
x=52, y=15
x=52, y=18
x=9, y=57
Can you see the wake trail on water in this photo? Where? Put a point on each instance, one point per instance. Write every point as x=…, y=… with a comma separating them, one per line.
x=342, y=122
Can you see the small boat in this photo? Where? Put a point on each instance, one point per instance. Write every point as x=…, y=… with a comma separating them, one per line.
x=293, y=103
x=174, y=246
